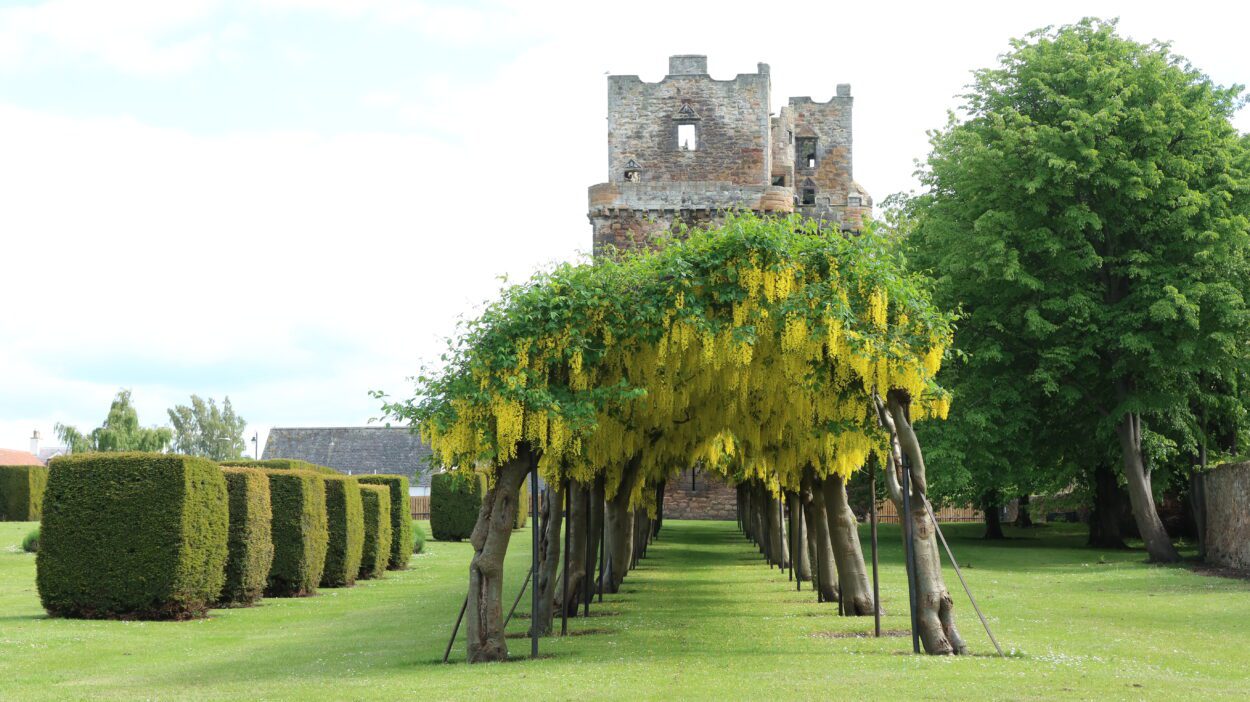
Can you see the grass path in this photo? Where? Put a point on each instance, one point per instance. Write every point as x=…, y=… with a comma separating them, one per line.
x=702, y=618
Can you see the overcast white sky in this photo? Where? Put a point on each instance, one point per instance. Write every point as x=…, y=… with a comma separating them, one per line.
x=291, y=201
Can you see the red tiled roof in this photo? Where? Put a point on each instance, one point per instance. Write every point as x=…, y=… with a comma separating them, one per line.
x=9, y=457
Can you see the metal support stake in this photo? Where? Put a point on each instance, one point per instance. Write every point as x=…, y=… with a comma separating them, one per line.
x=603, y=548
x=910, y=550
x=800, y=539
x=872, y=522
x=534, y=559
x=517, y=601
x=785, y=535
x=968, y=590
x=568, y=530
x=588, y=571
x=456, y=629
x=816, y=574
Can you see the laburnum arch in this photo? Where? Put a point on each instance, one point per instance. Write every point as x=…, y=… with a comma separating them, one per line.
x=769, y=350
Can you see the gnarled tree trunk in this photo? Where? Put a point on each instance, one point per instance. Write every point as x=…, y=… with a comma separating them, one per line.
x=934, y=605
x=620, y=528
x=552, y=514
x=825, y=573
x=853, y=586
x=1158, y=543
x=776, y=538
x=579, y=509
x=798, y=538
x=484, y=612
x=596, y=533
x=659, y=510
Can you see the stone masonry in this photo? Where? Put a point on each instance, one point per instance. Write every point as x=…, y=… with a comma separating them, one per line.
x=690, y=148
x=1227, y=491
x=697, y=494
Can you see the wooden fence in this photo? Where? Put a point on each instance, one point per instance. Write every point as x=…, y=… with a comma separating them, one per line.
x=420, y=505
x=886, y=514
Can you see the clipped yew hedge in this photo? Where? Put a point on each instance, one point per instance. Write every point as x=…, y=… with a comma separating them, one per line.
x=401, y=517
x=21, y=493
x=132, y=536
x=300, y=532
x=279, y=464
x=376, y=553
x=347, y=531
x=454, y=503
x=251, y=537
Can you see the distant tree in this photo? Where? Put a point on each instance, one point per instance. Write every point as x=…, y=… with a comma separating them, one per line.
x=120, y=432
x=202, y=429
x=1090, y=214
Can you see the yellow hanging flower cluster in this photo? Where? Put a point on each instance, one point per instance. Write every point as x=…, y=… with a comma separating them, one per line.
x=755, y=374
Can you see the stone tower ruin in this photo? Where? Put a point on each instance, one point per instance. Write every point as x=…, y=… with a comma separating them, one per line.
x=689, y=148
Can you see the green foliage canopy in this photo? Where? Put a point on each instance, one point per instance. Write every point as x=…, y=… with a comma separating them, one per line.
x=204, y=429
x=120, y=432
x=757, y=343
x=1089, y=214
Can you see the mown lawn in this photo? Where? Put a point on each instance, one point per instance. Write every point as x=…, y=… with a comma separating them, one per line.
x=702, y=618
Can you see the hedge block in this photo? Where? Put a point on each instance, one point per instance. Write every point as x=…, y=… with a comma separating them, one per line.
x=347, y=531
x=21, y=493
x=401, y=517
x=280, y=464
x=455, y=501
x=376, y=554
x=132, y=536
x=300, y=532
x=251, y=537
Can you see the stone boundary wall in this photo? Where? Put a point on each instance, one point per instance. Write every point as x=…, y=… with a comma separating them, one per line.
x=1227, y=491
x=711, y=498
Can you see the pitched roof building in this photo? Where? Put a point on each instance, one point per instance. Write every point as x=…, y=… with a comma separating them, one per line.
x=13, y=457
x=354, y=450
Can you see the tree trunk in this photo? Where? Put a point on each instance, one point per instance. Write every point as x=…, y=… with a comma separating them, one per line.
x=577, y=550
x=776, y=540
x=1024, y=520
x=620, y=529
x=759, y=519
x=484, y=628
x=826, y=574
x=596, y=532
x=991, y=507
x=1158, y=544
x=642, y=526
x=934, y=605
x=1198, y=498
x=659, y=510
x=739, y=503
x=1104, y=520
x=853, y=585
x=798, y=534
x=552, y=514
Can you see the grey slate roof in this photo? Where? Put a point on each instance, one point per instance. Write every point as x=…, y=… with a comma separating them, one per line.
x=354, y=449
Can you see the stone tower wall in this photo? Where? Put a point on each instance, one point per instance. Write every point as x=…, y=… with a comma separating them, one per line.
x=731, y=119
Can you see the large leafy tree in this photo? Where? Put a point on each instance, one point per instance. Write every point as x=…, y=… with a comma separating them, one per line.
x=120, y=432
x=1089, y=212
x=204, y=429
